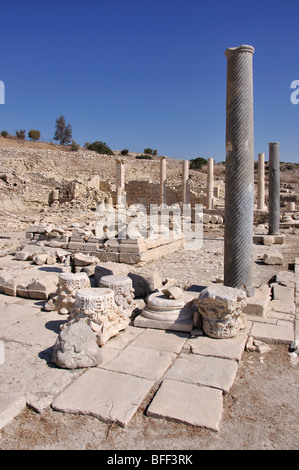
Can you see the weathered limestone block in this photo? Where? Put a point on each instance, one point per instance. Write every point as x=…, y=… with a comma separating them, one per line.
x=122, y=287
x=40, y=259
x=173, y=292
x=43, y=287
x=98, y=308
x=76, y=347
x=273, y=258
x=258, y=304
x=5, y=276
x=64, y=298
x=164, y=313
x=81, y=259
x=221, y=310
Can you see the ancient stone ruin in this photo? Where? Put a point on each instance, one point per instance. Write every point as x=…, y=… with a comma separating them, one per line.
x=116, y=260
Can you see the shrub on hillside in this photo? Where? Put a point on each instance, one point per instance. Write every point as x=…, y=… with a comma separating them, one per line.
x=125, y=152
x=20, y=134
x=100, y=147
x=74, y=147
x=144, y=157
x=4, y=134
x=197, y=163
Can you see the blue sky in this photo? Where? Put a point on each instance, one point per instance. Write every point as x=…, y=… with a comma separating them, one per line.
x=140, y=73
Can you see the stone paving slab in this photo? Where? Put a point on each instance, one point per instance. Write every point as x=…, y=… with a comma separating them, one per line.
x=228, y=348
x=107, y=395
x=36, y=328
x=164, y=340
x=12, y=314
x=188, y=403
x=28, y=370
x=269, y=333
x=123, y=338
x=142, y=362
x=10, y=406
x=281, y=306
x=204, y=370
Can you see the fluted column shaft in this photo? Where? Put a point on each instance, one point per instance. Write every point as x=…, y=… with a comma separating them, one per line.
x=185, y=186
x=261, y=182
x=239, y=173
x=163, y=179
x=274, y=188
x=210, y=183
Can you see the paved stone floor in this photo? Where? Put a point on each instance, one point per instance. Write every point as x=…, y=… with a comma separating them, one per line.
x=178, y=376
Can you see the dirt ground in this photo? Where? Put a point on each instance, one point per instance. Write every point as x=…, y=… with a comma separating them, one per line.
x=260, y=411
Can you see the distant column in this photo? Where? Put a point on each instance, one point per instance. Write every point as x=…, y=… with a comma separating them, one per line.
x=185, y=184
x=274, y=189
x=239, y=170
x=261, y=182
x=120, y=180
x=163, y=180
x=210, y=184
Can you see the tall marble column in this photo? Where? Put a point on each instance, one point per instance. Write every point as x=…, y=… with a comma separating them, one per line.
x=239, y=174
x=185, y=185
x=261, y=182
x=120, y=180
x=274, y=188
x=163, y=180
x=210, y=184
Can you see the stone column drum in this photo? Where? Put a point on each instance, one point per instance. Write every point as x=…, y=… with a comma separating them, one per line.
x=210, y=184
x=122, y=287
x=239, y=176
x=261, y=182
x=274, y=189
x=98, y=308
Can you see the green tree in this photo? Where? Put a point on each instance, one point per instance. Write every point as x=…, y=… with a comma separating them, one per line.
x=197, y=163
x=34, y=134
x=63, y=132
x=149, y=151
x=4, y=134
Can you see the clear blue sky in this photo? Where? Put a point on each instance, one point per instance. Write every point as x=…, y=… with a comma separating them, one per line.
x=148, y=73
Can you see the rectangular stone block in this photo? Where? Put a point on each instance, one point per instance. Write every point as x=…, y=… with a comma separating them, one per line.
x=161, y=340
x=204, y=370
x=228, y=348
x=142, y=362
x=129, y=258
x=78, y=246
x=107, y=395
x=272, y=333
x=258, y=304
x=188, y=403
x=10, y=406
x=283, y=293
